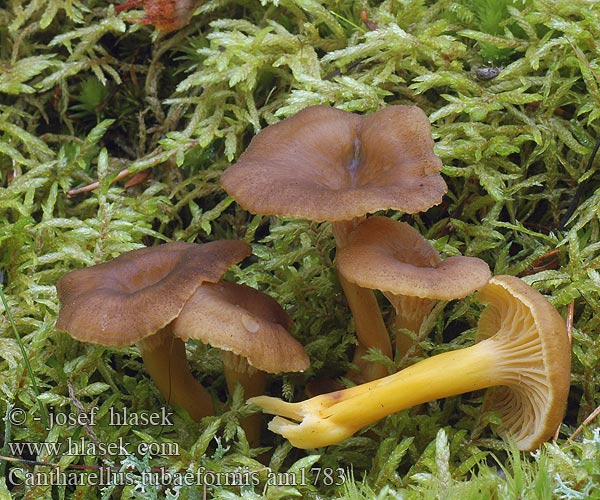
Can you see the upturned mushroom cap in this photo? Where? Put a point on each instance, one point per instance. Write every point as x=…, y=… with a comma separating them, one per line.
x=393, y=257
x=524, y=348
x=135, y=295
x=536, y=362
x=325, y=164
x=242, y=320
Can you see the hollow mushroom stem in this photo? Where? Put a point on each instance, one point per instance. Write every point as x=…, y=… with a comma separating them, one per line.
x=410, y=314
x=370, y=329
x=238, y=370
x=368, y=321
x=525, y=351
x=166, y=361
x=351, y=165
x=391, y=256
x=330, y=418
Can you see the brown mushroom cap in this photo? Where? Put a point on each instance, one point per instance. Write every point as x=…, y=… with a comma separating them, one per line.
x=393, y=257
x=325, y=164
x=242, y=320
x=135, y=295
x=536, y=370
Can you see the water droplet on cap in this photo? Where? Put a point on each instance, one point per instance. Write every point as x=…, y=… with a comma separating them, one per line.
x=250, y=323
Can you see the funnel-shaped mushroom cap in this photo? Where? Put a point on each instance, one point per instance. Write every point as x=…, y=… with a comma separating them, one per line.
x=135, y=295
x=391, y=256
x=524, y=348
x=327, y=164
x=242, y=320
x=535, y=362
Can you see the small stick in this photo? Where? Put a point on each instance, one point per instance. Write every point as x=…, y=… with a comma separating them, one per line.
x=547, y=261
x=81, y=410
x=139, y=166
x=137, y=179
x=570, y=315
x=95, y=185
x=585, y=423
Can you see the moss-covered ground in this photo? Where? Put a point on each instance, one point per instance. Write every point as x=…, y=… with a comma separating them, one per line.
x=513, y=94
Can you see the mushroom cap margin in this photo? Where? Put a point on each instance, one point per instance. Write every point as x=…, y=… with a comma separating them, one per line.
x=242, y=320
x=503, y=293
x=119, y=302
x=326, y=164
x=393, y=257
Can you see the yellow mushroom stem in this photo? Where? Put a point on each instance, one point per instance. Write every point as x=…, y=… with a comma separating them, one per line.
x=166, y=362
x=237, y=370
x=330, y=418
x=368, y=322
x=410, y=314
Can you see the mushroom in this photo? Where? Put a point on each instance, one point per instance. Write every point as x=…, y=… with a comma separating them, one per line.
x=252, y=331
x=135, y=298
x=523, y=349
x=393, y=257
x=325, y=164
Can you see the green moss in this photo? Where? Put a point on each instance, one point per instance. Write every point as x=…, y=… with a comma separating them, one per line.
x=86, y=92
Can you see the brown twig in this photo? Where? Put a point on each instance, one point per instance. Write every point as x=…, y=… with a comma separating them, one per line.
x=547, y=261
x=95, y=185
x=570, y=316
x=86, y=426
x=585, y=423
